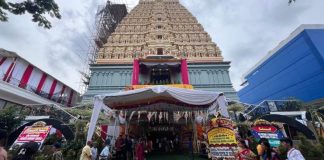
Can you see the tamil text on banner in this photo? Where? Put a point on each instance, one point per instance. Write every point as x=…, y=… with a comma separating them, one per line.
x=36, y=134
x=221, y=139
x=269, y=132
x=32, y=133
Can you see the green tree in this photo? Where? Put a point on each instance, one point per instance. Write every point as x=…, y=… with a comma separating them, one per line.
x=309, y=149
x=236, y=107
x=9, y=119
x=244, y=129
x=292, y=104
x=37, y=8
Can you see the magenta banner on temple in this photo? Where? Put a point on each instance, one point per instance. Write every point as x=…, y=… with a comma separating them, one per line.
x=184, y=71
x=135, y=77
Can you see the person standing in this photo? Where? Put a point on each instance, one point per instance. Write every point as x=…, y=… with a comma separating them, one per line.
x=260, y=148
x=3, y=152
x=86, y=151
x=267, y=155
x=129, y=149
x=160, y=144
x=57, y=155
x=150, y=145
x=275, y=153
x=94, y=151
x=105, y=153
x=118, y=145
x=292, y=154
x=123, y=148
x=244, y=152
x=191, y=148
x=139, y=150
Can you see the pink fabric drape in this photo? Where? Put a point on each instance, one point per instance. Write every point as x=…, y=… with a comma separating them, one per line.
x=184, y=71
x=135, y=76
x=8, y=74
x=52, y=89
x=2, y=60
x=41, y=83
x=104, y=129
x=139, y=151
x=26, y=76
x=70, y=98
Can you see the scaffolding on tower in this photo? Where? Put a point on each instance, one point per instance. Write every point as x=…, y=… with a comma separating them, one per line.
x=107, y=18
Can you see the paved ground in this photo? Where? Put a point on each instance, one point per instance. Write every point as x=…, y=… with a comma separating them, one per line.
x=173, y=157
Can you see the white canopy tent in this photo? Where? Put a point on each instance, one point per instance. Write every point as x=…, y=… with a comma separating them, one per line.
x=136, y=98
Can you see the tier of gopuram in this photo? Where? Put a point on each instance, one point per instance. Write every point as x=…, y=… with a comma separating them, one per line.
x=159, y=28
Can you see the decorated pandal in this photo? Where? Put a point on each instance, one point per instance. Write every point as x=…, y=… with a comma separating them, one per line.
x=142, y=112
x=181, y=115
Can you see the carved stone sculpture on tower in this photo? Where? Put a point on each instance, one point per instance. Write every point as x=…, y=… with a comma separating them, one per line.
x=151, y=18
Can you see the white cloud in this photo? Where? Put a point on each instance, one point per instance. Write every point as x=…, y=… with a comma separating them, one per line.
x=245, y=32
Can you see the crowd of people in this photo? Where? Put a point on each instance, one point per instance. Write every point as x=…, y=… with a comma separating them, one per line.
x=266, y=152
x=166, y=145
x=124, y=148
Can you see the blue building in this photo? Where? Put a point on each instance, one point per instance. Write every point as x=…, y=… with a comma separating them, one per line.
x=295, y=68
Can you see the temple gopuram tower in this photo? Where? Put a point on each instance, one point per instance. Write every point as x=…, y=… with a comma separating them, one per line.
x=159, y=43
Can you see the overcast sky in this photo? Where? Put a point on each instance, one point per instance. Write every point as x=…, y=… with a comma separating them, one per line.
x=244, y=30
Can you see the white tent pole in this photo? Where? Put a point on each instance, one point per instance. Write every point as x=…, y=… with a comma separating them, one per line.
x=126, y=123
x=221, y=101
x=116, y=121
x=195, y=135
x=98, y=103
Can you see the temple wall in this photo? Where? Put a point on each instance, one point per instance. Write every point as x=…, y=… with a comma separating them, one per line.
x=212, y=77
x=110, y=79
x=175, y=77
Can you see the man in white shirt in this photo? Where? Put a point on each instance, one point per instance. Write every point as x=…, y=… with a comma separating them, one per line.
x=292, y=154
x=104, y=155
